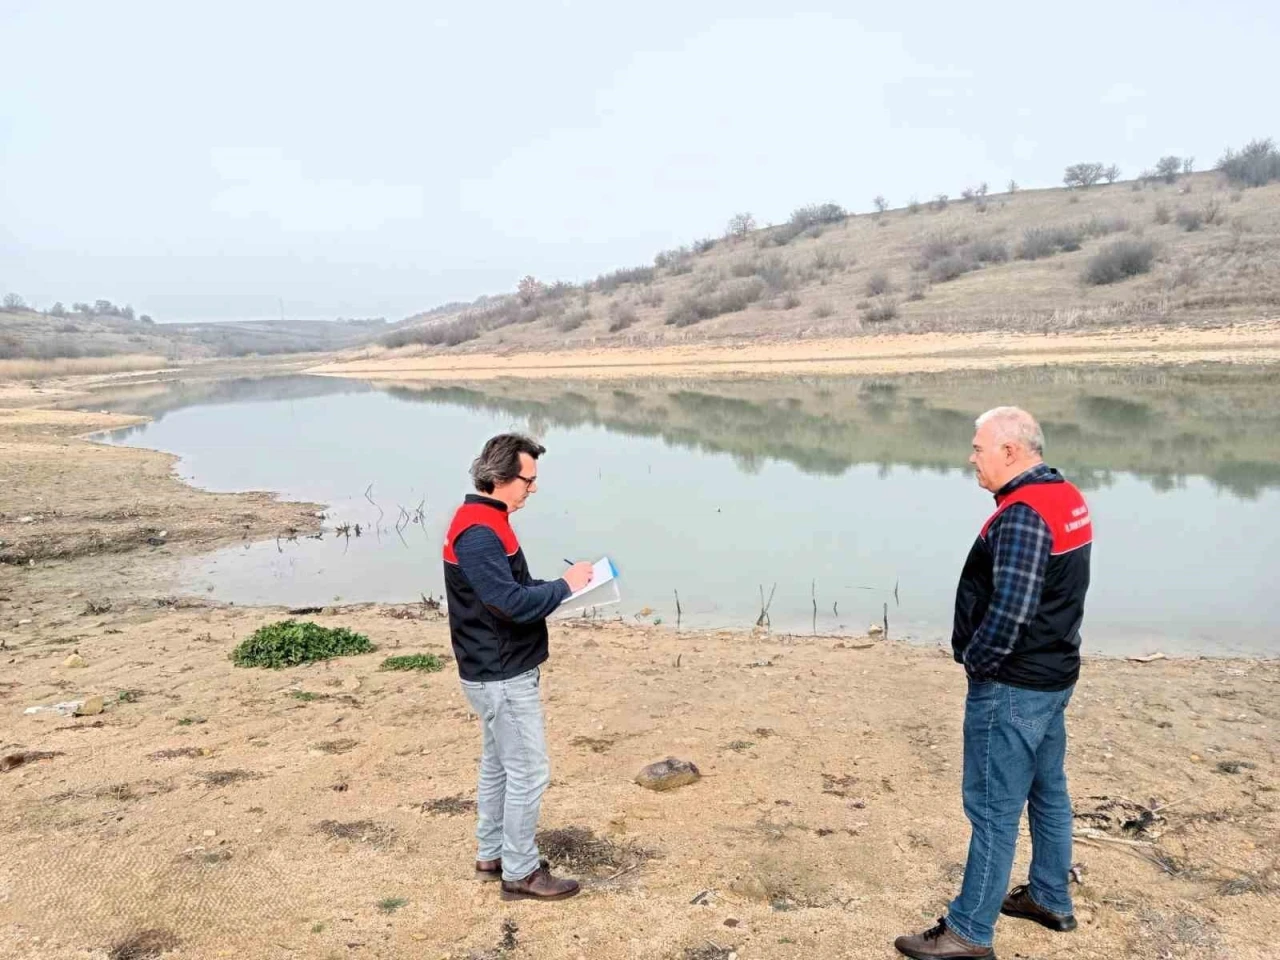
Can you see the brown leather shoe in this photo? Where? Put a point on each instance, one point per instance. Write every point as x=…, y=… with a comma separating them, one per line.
x=942, y=943
x=1019, y=904
x=539, y=885
x=489, y=870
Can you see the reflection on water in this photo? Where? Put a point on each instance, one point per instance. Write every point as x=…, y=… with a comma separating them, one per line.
x=834, y=488
x=1163, y=424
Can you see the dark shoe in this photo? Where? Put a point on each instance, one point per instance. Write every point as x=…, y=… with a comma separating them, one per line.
x=539, y=885
x=942, y=942
x=1019, y=904
x=488, y=870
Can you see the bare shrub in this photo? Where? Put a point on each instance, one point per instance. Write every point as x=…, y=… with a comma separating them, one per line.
x=447, y=333
x=913, y=206
x=775, y=273
x=880, y=203
x=878, y=285
x=621, y=316
x=651, y=297
x=609, y=282
x=666, y=259
x=1120, y=260
x=790, y=301
x=1040, y=242
x=1100, y=226
x=823, y=310
x=1083, y=175
x=703, y=245
x=949, y=268
x=740, y=224
x=573, y=320
x=1168, y=168
x=827, y=260
x=939, y=203
x=781, y=236
x=1187, y=275
x=1189, y=220
x=880, y=310
x=818, y=213
x=529, y=289
x=986, y=250
x=937, y=246
x=1256, y=165
x=1161, y=214
x=735, y=296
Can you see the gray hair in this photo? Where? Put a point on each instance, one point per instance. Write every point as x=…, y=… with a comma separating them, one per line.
x=499, y=461
x=1015, y=425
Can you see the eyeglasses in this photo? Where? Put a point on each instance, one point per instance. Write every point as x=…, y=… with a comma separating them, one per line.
x=528, y=481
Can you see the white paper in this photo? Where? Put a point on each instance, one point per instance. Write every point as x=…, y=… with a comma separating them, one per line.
x=601, y=591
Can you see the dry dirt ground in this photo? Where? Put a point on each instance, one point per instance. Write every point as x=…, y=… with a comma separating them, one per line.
x=326, y=811
x=1255, y=341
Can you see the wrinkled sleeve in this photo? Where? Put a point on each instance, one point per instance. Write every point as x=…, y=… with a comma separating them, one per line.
x=484, y=564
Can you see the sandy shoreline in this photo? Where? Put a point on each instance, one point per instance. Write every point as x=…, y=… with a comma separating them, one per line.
x=828, y=819
x=900, y=353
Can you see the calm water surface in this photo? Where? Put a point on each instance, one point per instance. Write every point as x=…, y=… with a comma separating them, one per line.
x=841, y=491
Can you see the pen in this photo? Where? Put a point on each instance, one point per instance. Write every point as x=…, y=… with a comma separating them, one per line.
x=569, y=562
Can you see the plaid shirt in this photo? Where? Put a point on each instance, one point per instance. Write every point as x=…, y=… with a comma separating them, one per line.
x=1021, y=544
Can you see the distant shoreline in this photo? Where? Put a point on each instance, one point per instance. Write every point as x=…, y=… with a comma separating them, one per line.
x=1256, y=341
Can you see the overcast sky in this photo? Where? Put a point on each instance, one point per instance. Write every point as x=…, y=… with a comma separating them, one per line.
x=210, y=160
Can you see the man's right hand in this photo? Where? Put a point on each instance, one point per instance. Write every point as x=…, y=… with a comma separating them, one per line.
x=578, y=576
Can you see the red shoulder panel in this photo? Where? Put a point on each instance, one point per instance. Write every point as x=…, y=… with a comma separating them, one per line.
x=480, y=515
x=1061, y=506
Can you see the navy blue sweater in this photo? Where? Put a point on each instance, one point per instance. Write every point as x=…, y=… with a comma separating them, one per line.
x=484, y=564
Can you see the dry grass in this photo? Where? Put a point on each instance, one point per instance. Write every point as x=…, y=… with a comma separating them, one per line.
x=79, y=366
x=578, y=849
x=144, y=945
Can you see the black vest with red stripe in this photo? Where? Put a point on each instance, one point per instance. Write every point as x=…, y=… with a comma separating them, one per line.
x=1046, y=654
x=487, y=645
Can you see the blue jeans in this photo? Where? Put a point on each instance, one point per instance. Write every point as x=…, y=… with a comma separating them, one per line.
x=514, y=770
x=1015, y=745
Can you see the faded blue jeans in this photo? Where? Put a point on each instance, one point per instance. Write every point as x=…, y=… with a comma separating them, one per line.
x=514, y=770
x=1015, y=746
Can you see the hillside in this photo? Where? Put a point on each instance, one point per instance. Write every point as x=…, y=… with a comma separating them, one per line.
x=73, y=340
x=1197, y=251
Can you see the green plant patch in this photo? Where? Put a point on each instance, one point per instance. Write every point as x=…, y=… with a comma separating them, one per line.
x=428, y=662
x=290, y=643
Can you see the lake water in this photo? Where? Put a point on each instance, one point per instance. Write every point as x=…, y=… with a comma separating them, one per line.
x=848, y=494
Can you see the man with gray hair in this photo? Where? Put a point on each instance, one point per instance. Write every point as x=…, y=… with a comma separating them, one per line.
x=1019, y=607
x=498, y=625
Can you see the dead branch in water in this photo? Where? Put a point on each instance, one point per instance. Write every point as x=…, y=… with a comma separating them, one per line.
x=813, y=595
x=377, y=527
x=763, y=620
